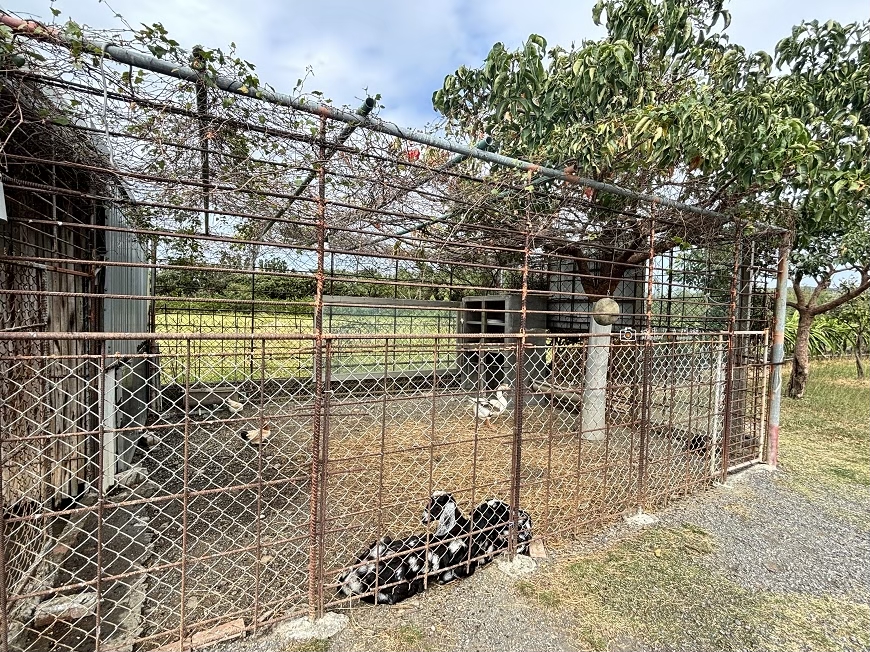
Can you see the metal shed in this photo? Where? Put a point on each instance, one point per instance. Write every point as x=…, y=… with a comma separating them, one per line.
x=58, y=252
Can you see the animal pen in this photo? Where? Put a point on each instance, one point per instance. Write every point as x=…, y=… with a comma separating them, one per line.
x=186, y=257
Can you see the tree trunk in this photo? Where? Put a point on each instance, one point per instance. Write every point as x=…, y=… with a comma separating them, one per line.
x=800, y=369
x=858, y=365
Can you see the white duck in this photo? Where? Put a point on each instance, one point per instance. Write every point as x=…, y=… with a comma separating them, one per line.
x=234, y=406
x=485, y=409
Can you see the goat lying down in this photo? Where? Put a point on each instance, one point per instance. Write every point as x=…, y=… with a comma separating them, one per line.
x=491, y=524
x=395, y=567
x=391, y=570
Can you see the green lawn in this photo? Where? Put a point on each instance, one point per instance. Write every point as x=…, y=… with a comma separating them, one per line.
x=825, y=436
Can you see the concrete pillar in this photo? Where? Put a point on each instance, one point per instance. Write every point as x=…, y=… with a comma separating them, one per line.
x=594, y=419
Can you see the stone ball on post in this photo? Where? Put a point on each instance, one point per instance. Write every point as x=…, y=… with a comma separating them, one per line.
x=605, y=311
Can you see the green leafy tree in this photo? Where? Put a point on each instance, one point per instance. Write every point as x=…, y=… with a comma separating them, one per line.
x=824, y=260
x=828, y=89
x=666, y=103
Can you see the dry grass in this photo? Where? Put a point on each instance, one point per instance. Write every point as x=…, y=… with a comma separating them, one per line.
x=415, y=447
x=654, y=583
x=314, y=645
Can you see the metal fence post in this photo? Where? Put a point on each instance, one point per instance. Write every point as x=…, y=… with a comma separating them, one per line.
x=4, y=609
x=729, y=359
x=519, y=395
x=646, y=389
x=315, y=522
x=777, y=353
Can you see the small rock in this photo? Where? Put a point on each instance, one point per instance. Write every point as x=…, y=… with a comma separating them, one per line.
x=303, y=629
x=192, y=603
x=65, y=607
x=641, y=520
x=131, y=477
x=521, y=565
x=265, y=559
x=210, y=600
x=537, y=549
x=16, y=627
x=773, y=567
x=59, y=553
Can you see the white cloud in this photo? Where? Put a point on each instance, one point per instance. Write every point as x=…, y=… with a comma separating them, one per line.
x=397, y=48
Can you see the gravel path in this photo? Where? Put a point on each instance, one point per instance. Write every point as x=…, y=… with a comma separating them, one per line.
x=771, y=538
x=768, y=538
x=477, y=615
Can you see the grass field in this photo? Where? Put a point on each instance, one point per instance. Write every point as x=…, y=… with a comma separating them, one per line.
x=233, y=360
x=825, y=438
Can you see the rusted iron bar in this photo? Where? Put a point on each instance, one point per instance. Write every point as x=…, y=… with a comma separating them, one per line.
x=64, y=335
x=315, y=524
x=101, y=488
x=729, y=359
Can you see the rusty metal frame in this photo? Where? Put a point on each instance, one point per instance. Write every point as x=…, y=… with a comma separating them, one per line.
x=534, y=460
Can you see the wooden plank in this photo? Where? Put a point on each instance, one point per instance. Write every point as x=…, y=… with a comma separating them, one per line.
x=226, y=632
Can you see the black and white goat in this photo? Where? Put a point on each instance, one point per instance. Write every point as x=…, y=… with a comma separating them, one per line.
x=391, y=570
x=448, y=546
x=388, y=571
x=491, y=525
x=475, y=541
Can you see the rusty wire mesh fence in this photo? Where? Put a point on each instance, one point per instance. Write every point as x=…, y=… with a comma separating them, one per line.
x=239, y=342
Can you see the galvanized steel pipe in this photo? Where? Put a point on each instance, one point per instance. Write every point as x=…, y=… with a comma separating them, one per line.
x=777, y=353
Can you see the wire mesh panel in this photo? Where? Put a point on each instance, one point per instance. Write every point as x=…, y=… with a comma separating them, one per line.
x=349, y=333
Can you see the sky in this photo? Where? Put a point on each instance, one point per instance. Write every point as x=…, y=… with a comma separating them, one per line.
x=401, y=49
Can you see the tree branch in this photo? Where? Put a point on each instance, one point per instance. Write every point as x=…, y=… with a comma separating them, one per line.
x=796, y=286
x=847, y=296
x=823, y=282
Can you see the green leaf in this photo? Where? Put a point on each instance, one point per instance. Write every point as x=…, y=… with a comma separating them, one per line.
x=596, y=12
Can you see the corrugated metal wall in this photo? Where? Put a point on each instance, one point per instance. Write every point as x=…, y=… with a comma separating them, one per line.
x=132, y=373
